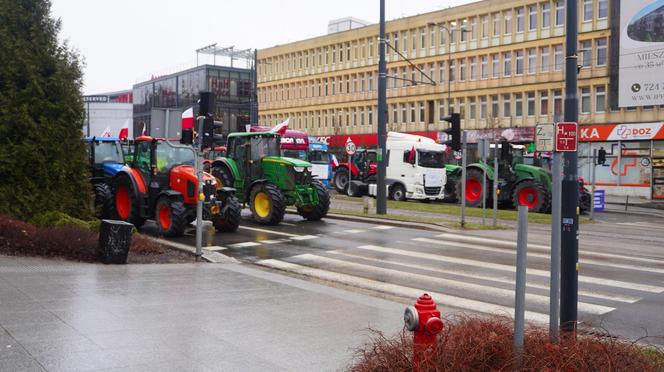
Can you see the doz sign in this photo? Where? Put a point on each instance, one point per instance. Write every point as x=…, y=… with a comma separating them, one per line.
x=566, y=136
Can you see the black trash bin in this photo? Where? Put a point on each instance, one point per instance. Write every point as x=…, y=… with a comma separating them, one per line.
x=114, y=241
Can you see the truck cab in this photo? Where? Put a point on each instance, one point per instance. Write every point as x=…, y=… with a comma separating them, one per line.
x=319, y=157
x=415, y=167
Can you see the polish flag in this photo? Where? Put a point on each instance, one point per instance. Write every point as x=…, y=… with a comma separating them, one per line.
x=106, y=133
x=335, y=162
x=188, y=118
x=145, y=130
x=124, y=131
x=281, y=129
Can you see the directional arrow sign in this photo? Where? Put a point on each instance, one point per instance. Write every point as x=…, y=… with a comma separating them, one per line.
x=566, y=136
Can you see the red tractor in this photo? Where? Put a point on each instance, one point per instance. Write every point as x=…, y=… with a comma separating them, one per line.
x=363, y=168
x=160, y=183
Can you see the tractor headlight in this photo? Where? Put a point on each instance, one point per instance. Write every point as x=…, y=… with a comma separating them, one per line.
x=299, y=169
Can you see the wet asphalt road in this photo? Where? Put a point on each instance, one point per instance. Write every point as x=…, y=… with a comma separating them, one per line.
x=621, y=285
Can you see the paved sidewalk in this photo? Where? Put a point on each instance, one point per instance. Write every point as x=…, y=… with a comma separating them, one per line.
x=62, y=316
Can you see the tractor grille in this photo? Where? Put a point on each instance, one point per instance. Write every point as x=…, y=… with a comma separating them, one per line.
x=302, y=178
x=432, y=190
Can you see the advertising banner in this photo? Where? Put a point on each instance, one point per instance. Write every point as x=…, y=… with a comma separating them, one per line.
x=621, y=132
x=641, y=76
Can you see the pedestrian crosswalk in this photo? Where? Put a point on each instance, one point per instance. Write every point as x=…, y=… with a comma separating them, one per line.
x=477, y=274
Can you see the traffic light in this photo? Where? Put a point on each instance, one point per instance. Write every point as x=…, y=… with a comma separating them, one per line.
x=601, y=156
x=209, y=126
x=453, y=132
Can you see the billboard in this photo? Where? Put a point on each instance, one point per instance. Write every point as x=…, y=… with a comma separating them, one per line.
x=641, y=61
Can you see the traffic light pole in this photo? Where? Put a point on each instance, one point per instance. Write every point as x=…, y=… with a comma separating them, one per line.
x=381, y=195
x=569, y=274
x=463, y=180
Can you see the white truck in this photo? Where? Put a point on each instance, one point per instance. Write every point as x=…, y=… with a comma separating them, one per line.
x=415, y=167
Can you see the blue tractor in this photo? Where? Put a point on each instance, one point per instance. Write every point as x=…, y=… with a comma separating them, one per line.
x=106, y=159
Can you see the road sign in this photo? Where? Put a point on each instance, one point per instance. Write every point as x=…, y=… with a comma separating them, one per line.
x=599, y=200
x=350, y=147
x=544, y=134
x=566, y=136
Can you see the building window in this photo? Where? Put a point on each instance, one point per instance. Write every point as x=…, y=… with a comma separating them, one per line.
x=412, y=112
x=483, y=107
x=451, y=74
x=558, y=57
x=545, y=59
x=519, y=62
x=518, y=104
x=453, y=37
x=432, y=37
x=494, y=107
x=560, y=12
x=557, y=103
x=587, y=10
x=362, y=116
x=442, y=37
x=519, y=20
x=508, y=22
x=532, y=17
x=414, y=33
x=600, y=99
x=473, y=68
x=495, y=66
x=507, y=64
x=586, y=53
x=484, y=69
x=532, y=60
x=441, y=109
x=473, y=28
x=507, y=105
x=531, y=103
x=395, y=115
x=546, y=15
x=603, y=9
x=421, y=112
x=441, y=72
x=404, y=118
x=544, y=103
x=462, y=108
x=472, y=107
x=423, y=38
x=462, y=69
x=600, y=44
x=485, y=27
x=496, y=24
x=585, y=100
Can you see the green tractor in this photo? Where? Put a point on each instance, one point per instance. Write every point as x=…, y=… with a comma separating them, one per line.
x=267, y=181
x=518, y=183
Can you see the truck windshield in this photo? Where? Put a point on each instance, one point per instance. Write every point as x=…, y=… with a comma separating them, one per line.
x=108, y=152
x=297, y=154
x=431, y=159
x=318, y=157
x=264, y=146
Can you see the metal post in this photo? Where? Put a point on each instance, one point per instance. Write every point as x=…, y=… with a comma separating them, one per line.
x=254, y=93
x=168, y=121
x=199, y=201
x=554, y=284
x=350, y=172
x=463, y=180
x=569, y=275
x=495, y=184
x=449, y=75
x=619, y=163
x=484, y=191
x=593, y=163
x=88, y=119
x=381, y=195
x=520, y=291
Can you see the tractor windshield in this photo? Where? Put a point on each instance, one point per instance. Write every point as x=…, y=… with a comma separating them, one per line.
x=297, y=154
x=318, y=157
x=262, y=146
x=169, y=156
x=108, y=152
x=431, y=159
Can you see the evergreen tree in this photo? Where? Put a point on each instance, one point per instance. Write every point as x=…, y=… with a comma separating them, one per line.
x=42, y=158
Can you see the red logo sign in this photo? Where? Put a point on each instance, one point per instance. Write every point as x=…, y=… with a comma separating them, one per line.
x=566, y=136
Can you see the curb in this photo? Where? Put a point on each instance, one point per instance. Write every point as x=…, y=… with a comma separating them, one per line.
x=209, y=256
x=640, y=213
x=643, y=205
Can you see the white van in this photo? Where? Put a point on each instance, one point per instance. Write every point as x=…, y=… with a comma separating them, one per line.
x=415, y=167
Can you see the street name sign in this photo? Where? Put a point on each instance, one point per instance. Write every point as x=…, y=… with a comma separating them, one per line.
x=566, y=136
x=544, y=136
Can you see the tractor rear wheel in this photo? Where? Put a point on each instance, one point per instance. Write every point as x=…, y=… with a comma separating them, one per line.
x=223, y=176
x=532, y=194
x=267, y=203
x=171, y=217
x=474, y=191
x=125, y=202
x=341, y=180
x=228, y=218
x=316, y=212
x=103, y=200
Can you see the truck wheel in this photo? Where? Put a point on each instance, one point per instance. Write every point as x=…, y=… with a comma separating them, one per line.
x=223, y=176
x=474, y=192
x=398, y=192
x=228, y=218
x=316, y=212
x=103, y=200
x=532, y=194
x=267, y=204
x=125, y=203
x=171, y=216
x=341, y=180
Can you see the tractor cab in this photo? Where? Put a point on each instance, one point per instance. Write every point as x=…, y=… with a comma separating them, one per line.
x=105, y=155
x=248, y=152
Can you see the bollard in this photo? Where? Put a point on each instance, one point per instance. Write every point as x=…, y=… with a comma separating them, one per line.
x=365, y=204
x=520, y=292
x=424, y=321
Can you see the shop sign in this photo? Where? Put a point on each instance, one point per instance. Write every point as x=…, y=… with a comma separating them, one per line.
x=621, y=132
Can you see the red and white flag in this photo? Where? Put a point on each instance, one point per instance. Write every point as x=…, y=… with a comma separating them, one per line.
x=124, y=131
x=281, y=129
x=411, y=155
x=145, y=130
x=106, y=132
x=188, y=118
x=335, y=162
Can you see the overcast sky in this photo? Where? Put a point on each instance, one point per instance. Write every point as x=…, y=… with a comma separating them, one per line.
x=126, y=41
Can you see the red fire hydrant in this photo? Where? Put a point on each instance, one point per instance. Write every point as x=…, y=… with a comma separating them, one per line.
x=424, y=320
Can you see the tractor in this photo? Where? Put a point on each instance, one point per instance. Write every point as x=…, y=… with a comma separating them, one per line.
x=106, y=159
x=160, y=183
x=269, y=182
x=363, y=168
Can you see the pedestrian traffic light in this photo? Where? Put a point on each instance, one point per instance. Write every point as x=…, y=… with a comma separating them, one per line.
x=601, y=156
x=453, y=132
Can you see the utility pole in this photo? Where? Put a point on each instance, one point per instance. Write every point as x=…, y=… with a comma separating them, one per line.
x=569, y=274
x=254, y=90
x=381, y=197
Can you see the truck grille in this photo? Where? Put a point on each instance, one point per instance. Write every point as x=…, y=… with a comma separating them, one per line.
x=432, y=190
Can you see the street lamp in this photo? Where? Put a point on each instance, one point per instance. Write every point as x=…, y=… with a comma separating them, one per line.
x=449, y=58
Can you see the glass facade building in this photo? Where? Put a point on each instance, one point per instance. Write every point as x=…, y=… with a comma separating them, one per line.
x=231, y=88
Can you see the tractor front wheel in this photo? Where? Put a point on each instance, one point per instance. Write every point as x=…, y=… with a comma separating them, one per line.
x=228, y=218
x=316, y=212
x=452, y=190
x=223, y=176
x=474, y=188
x=171, y=216
x=341, y=180
x=532, y=194
x=267, y=204
x=125, y=202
